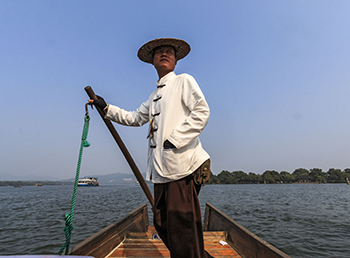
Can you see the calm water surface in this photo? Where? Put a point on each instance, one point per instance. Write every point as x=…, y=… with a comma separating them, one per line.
x=306, y=220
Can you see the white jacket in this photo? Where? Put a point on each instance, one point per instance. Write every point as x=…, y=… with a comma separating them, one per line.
x=179, y=112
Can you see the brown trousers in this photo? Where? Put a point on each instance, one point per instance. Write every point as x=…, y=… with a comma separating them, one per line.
x=177, y=218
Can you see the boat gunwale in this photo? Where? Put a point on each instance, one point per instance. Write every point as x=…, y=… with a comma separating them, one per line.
x=103, y=242
x=240, y=238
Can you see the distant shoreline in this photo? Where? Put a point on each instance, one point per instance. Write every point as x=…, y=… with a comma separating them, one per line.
x=33, y=183
x=45, y=183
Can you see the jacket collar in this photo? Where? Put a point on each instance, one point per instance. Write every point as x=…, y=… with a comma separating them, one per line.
x=166, y=78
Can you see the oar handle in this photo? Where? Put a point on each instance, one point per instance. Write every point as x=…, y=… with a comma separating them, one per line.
x=123, y=148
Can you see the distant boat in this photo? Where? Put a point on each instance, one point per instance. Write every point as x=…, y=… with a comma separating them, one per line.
x=88, y=181
x=17, y=186
x=39, y=184
x=347, y=181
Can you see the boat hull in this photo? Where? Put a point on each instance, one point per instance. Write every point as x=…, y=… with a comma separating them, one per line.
x=131, y=236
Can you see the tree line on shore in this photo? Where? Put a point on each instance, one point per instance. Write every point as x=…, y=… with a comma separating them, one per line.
x=300, y=175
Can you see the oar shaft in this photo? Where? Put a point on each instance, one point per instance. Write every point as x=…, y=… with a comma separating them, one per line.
x=123, y=148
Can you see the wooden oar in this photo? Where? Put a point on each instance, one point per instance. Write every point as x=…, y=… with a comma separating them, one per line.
x=123, y=148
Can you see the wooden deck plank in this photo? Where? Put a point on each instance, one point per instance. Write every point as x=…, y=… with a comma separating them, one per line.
x=138, y=245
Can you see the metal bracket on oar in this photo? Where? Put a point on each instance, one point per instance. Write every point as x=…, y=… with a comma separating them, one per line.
x=123, y=148
x=86, y=108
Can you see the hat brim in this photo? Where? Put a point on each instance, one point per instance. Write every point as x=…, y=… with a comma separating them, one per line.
x=182, y=48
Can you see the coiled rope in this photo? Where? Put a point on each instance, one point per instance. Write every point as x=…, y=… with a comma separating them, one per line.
x=68, y=218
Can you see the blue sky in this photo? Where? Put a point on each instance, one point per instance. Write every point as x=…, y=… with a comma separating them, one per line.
x=275, y=74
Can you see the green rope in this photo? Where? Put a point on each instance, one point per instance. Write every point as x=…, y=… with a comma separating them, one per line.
x=69, y=216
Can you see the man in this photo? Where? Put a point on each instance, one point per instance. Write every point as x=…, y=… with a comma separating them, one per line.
x=177, y=113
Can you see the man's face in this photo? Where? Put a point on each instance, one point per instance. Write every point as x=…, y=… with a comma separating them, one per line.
x=164, y=59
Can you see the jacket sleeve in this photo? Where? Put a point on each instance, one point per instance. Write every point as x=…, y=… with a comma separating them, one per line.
x=193, y=98
x=129, y=118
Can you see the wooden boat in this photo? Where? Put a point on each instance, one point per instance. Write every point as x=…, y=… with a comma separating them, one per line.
x=132, y=236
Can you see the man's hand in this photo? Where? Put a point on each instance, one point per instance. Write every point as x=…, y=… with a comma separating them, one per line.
x=168, y=145
x=99, y=102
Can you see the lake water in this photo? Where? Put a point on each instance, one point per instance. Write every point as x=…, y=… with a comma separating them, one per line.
x=303, y=220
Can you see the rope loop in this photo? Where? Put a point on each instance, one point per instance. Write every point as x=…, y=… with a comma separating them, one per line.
x=85, y=131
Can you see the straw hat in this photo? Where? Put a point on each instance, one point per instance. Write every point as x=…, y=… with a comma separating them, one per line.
x=145, y=52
